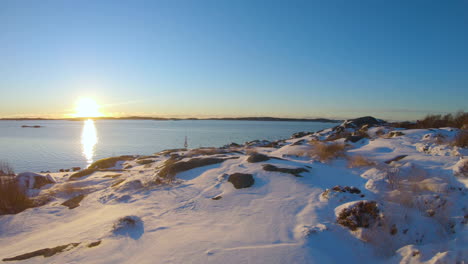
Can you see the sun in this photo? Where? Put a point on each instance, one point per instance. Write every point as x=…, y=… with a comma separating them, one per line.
x=87, y=107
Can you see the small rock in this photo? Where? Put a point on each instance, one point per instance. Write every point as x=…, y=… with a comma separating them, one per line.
x=241, y=180
x=74, y=202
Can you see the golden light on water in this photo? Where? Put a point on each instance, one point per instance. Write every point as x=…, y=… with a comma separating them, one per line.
x=87, y=107
x=89, y=140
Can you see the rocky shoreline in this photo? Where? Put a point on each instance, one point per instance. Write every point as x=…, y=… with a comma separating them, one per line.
x=387, y=194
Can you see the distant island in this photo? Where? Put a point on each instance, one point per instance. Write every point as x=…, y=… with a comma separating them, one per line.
x=323, y=120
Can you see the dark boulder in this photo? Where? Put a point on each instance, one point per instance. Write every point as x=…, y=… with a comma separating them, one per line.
x=241, y=180
x=296, y=171
x=354, y=139
x=257, y=157
x=366, y=120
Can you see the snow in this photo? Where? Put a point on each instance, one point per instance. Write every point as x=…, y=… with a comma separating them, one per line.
x=280, y=219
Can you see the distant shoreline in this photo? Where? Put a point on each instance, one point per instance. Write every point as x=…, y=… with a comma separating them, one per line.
x=322, y=120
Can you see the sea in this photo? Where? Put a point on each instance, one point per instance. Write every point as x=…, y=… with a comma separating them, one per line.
x=62, y=144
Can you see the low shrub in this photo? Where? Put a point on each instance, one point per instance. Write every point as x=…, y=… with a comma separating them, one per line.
x=13, y=198
x=362, y=214
x=6, y=169
x=461, y=140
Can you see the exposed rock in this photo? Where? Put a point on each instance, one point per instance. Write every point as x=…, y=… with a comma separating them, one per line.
x=94, y=244
x=360, y=214
x=171, y=166
x=117, y=182
x=259, y=143
x=143, y=162
x=346, y=189
x=299, y=142
x=82, y=173
x=335, y=191
x=257, y=157
x=395, y=134
x=366, y=120
x=217, y=197
x=45, y=252
x=109, y=162
x=354, y=139
x=76, y=168
x=301, y=134
x=296, y=171
x=241, y=180
x=74, y=202
x=31, y=180
x=397, y=158
x=232, y=145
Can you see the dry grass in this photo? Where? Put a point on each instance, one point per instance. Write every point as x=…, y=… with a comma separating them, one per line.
x=327, y=151
x=67, y=188
x=461, y=140
x=13, y=198
x=359, y=161
x=6, y=169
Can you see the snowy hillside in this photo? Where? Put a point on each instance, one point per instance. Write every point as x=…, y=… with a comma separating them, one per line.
x=360, y=192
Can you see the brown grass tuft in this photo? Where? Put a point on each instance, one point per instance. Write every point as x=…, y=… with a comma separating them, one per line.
x=327, y=151
x=13, y=199
x=6, y=169
x=359, y=161
x=461, y=140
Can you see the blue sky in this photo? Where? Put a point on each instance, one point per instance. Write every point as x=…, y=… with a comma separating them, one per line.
x=390, y=59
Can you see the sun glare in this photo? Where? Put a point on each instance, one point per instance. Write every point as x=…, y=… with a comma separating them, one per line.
x=87, y=107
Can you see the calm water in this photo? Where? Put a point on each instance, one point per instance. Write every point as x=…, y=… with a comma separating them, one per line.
x=64, y=144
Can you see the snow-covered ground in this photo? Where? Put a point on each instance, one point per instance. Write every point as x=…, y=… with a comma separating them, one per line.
x=414, y=210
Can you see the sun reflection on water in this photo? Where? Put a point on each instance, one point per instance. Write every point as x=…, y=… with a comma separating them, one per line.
x=88, y=140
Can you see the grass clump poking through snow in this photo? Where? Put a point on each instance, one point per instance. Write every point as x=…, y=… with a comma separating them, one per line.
x=6, y=169
x=359, y=161
x=13, y=199
x=461, y=140
x=327, y=151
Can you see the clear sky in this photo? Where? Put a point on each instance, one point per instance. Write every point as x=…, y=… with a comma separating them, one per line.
x=390, y=59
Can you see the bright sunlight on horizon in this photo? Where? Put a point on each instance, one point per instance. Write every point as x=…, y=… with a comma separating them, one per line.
x=87, y=107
